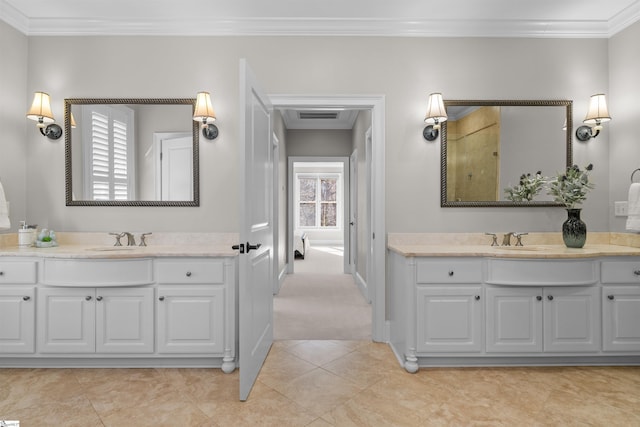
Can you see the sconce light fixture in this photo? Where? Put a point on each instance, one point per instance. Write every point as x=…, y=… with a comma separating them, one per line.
x=40, y=111
x=436, y=115
x=204, y=113
x=596, y=115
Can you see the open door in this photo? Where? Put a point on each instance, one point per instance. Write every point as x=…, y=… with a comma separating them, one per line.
x=255, y=294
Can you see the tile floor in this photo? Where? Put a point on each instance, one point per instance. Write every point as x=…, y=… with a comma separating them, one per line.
x=324, y=383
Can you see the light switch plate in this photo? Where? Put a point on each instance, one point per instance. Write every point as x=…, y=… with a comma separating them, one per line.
x=621, y=208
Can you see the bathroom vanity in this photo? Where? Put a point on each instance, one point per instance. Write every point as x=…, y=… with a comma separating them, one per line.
x=478, y=305
x=105, y=306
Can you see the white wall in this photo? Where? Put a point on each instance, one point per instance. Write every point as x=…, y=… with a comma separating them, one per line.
x=624, y=107
x=14, y=103
x=405, y=70
x=325, y=143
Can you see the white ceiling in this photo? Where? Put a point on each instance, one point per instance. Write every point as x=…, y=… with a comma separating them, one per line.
x=425, y=18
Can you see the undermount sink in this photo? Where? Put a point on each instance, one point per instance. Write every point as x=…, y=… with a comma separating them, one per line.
x=522, y=248
x=113, y=248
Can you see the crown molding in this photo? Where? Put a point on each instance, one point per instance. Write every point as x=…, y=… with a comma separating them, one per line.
x=13, y=17
x=625, y=18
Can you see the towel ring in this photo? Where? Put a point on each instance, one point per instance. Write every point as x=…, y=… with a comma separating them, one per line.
x=633, y=173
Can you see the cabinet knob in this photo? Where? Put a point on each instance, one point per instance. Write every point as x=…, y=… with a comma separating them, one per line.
x=636, y=272
x=188, y=274
x=88, y=298
x=550, y=297
x=477, y=297
x=161, y=298
x=610, y=297
x=539, y=298
x=450, y=273
x=1, y=273
x=99, y=298
x=26, y=298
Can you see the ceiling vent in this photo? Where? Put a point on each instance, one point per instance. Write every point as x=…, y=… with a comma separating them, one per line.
x=315, y=115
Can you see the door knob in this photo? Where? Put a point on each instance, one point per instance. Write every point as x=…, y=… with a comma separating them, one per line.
x=253, y=247
x=239, y=247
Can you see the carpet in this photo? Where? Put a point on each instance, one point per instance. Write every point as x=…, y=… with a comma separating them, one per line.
x=313, y=305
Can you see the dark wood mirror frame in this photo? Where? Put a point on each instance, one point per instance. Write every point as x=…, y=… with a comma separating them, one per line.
x=567, y=104
x=68, y=102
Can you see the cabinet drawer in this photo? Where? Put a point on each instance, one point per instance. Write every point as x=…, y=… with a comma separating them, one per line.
x=449, y=271
x=541, y=272
x=620, y=271
x=17, y=272
x=94, y=273
x=190, y=271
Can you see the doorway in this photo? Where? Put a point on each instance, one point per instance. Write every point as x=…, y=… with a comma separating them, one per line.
x=375, y=240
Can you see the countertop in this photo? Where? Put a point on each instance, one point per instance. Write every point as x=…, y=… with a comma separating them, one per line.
x=101, y=245
x=535, y=245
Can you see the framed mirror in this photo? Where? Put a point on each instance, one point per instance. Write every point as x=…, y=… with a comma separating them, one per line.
x=131, y=152
x=488, y=145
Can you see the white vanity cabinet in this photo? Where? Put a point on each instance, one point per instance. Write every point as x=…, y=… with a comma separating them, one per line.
x=504, y=310
x=621, y=305
x=190, y=306
x=95, y=320
x=17, y=306
x=551, y=319
x=449, y=305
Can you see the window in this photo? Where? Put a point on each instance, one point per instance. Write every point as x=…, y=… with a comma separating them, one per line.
x=108, y=146
x=317, y=199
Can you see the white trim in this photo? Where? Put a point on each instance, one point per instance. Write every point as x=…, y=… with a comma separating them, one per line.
x=362, y=285
x=377, y=282
x=299, y=26
x=281, y=276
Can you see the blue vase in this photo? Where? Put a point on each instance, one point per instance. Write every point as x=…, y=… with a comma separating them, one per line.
x=574, y=230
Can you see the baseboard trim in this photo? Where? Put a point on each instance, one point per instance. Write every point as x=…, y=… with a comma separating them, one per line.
x=362, y=285
x=282, y=276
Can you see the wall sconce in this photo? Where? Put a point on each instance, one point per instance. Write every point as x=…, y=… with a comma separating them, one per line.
x=596, y=115
x=204, y=113
x=40, y=111
x=436, y=115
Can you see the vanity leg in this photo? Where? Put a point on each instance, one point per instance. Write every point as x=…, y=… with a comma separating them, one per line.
x=411, y=364
x=228, y=362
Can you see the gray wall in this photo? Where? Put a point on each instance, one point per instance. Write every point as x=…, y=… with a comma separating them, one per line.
x=461, y=68
x=624, y=107
x=324, y=143
x=14, y=103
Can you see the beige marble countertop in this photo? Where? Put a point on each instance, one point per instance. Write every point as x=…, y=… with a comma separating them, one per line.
x=537, y=245
x=101, y=245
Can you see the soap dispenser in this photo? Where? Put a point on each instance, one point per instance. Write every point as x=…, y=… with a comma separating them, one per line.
x=25, y=235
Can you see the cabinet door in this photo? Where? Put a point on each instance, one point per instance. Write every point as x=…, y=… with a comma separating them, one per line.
x=514, y=319
x=190, y=319
x=124, y=320
x=621, y=318
x=66, y=320
x=17, y=319
x=449, y=319
x=571, y=319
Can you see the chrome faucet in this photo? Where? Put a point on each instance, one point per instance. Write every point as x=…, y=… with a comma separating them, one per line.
x=518, y=236
x=131, y=240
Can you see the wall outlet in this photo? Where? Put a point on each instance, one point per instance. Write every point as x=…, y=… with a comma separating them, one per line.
x=621, y=208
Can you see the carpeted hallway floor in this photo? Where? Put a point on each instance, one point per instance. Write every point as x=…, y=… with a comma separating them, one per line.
x=319, y=302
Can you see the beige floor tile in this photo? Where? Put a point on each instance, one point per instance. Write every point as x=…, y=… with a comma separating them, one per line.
x=282, y=367
x=321, y=352
x=318, y=391
x=361, y=368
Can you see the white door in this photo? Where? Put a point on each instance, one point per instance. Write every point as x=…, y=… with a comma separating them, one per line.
x=572, y=319
x=256, y=229
x=177, y=168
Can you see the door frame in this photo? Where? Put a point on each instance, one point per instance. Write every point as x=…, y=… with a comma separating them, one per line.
x=376, y=103
x=290, y=204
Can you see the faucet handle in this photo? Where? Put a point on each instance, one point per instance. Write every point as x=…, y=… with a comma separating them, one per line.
x=518, y=236
x=494, y=238
x=143, y=242
x=118, y=236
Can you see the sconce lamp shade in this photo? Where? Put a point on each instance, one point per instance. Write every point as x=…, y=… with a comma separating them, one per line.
x=204, y=113
x=598, y=112
x=204, y=110
x=40, y=110
x=436, y=112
